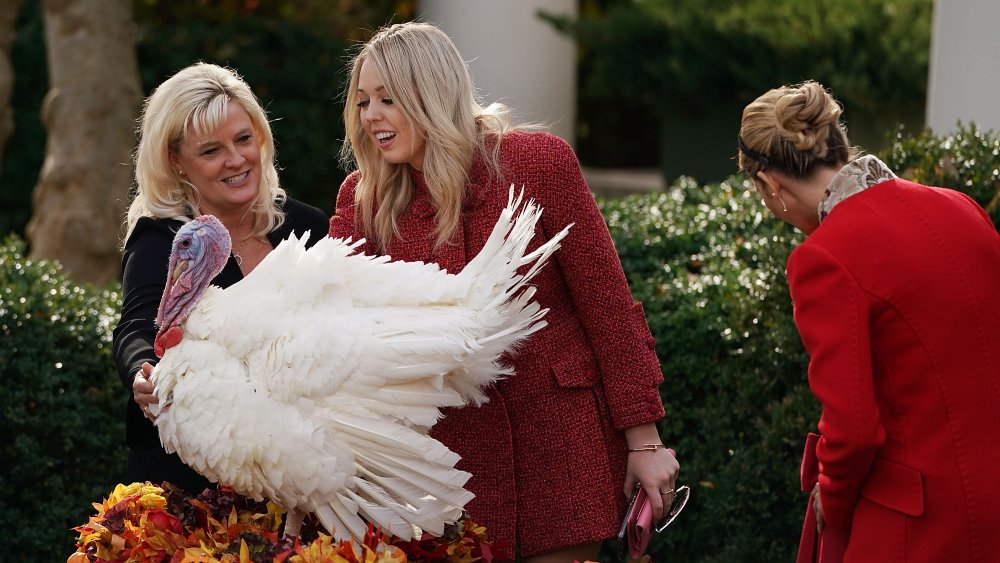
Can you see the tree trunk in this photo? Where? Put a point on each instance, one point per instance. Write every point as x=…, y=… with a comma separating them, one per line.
x=89, y=113
x=8, y=17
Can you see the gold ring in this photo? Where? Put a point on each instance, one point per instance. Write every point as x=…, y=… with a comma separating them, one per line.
x=667, y=492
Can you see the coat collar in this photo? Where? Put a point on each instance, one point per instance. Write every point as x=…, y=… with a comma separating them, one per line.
x=855, y=177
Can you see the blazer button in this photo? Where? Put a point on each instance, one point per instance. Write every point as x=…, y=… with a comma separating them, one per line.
x=654, y=409
x=651, y=342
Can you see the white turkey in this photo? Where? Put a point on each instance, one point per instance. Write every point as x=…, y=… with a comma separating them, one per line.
x=313, y=382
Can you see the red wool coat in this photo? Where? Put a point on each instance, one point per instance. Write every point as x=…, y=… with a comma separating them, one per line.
x=547, y=453
x=896, y=299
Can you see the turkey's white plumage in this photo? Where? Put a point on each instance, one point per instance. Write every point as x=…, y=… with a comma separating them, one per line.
x=314, y=380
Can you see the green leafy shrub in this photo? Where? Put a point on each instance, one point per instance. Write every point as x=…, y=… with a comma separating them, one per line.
x=61, y=409
x=708, y=263
x=967, y=160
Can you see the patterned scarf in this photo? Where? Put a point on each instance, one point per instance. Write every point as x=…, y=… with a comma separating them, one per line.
x=856, y=176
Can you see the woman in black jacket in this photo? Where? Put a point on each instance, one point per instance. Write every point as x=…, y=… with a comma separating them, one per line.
x=206, y=148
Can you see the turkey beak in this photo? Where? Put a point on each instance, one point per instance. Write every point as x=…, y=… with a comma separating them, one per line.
x=178, y=270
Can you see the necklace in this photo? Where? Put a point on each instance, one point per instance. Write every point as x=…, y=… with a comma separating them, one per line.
x=236, y=253
x=255, y=243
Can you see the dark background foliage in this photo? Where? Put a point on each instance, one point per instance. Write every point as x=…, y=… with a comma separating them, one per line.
x=292, y=53
x=675, y=74
x=661, y=83
x=22, y=158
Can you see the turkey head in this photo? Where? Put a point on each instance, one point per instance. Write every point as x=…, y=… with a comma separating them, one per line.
x=200, y=251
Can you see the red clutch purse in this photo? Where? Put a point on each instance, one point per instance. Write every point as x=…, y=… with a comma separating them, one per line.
x=637, y=527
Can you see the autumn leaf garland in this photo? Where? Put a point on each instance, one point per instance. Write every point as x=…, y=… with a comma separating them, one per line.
x=145, y=523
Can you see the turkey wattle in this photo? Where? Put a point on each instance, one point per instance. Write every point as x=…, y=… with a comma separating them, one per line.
x=313, y=381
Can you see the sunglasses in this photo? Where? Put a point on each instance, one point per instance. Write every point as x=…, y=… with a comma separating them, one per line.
x=681, y=496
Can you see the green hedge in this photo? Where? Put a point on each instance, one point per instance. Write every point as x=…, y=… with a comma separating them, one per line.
x=708, y=263
x=967, y=160
x=61, y=408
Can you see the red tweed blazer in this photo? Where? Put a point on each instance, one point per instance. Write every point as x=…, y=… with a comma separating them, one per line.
x=547, y=453
x=896, y=299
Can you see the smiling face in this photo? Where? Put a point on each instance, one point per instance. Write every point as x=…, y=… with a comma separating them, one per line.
x=223, y=164
x=385, y=124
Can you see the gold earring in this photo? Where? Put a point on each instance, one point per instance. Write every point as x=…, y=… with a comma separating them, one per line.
x=783, y=206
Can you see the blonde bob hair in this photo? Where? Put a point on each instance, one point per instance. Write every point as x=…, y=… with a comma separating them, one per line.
x=194, y=100
x=793, y=130
x=427, y=79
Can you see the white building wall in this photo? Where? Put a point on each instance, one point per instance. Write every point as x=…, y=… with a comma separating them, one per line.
x=515, y=57
x=964, y=78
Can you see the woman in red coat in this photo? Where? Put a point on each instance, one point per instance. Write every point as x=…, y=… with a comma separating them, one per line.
x=558, y=443
x=895, y=295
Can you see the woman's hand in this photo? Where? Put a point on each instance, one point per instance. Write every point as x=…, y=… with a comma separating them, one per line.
x=142, y=390
x=652, y=465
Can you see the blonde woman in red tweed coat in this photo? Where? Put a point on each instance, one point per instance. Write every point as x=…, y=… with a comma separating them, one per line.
x=550, y=452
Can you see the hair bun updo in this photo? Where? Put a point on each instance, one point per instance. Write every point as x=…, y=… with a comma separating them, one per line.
x=805, y=116
x=795, y=128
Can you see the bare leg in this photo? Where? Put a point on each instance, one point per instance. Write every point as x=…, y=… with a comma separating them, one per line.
x=293, y=523
x=582, y=552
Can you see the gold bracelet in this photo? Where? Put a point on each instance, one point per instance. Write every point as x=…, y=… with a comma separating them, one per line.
x=646, y=448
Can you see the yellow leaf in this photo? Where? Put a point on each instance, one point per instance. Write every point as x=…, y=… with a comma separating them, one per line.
x=197, y=555
x=244, y=552
x=274, y=514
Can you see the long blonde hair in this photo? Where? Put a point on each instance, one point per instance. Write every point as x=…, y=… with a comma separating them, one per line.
x=429, y=82
x=195, y=100
x=793, y=129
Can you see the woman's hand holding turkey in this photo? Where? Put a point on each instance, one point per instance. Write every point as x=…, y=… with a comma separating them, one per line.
x=143, y=390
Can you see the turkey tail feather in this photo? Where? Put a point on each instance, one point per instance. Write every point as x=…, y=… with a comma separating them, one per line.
x=502, y=294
